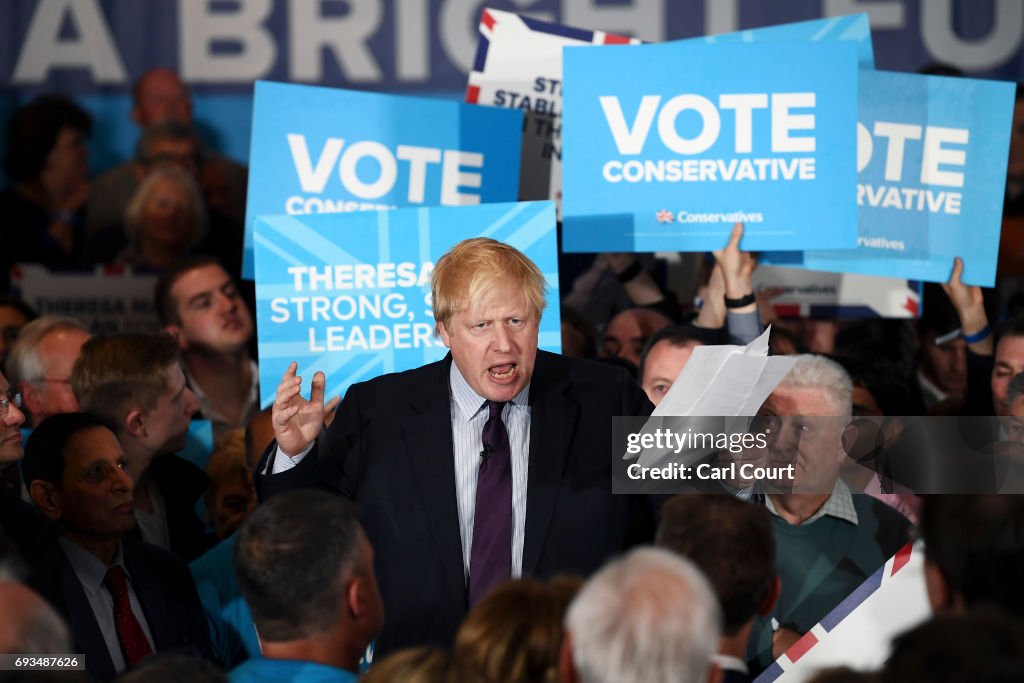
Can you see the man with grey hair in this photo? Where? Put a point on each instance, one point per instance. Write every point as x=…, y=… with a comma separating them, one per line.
x=39, y=366
x=647, y=617
x=828, y=539
x=30, y=625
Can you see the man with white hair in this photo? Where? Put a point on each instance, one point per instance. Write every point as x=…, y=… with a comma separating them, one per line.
x=647, y=617
x=39, y=366
x=828, y=539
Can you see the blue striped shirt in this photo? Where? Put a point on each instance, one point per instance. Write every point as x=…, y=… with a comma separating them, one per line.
x=469, y=413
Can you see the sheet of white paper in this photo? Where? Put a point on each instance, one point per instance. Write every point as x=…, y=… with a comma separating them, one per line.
x=724, y=380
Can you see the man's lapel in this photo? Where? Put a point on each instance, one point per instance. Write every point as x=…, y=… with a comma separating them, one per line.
x=427, y=432
x=82, y=622
x=159, y=615
x=553, y=416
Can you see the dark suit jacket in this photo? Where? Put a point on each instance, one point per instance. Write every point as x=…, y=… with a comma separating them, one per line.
x=30, y=531
x=732, y=676
x=165, y=590
x=390, y=449
x=181, y=484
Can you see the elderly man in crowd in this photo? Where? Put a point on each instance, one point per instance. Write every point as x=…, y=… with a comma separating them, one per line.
x=123, y=600
x=649, y=616
x=828, y=540
x=40, y=366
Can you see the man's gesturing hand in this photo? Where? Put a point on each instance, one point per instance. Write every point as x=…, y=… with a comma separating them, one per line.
x=296, y=420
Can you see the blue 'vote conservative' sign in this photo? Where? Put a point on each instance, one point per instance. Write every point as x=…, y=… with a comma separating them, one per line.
x=932, y=154
x=320, y=150
x=666, y=146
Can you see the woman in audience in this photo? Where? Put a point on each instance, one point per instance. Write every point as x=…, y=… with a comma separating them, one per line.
x=231, y=496
x=514, y=635
x=413, y=665
x=165, y=220
x=46, y=160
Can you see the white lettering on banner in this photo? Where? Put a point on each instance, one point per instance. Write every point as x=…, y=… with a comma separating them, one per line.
x=885, y=14
x=375, y=338
x=630, y=139
x=360, y=275
x=977, y=53
x=363, y=54
x=644, y=19
x=313, y=177
x=92, y=49
x=909, y=199
x=347, y=37
x=305, y=205
x=201, y=28
x=721, y=16
x=412, y=61
x=935, y=153
x=708, y=170
x=374, y=319
x=936, y=159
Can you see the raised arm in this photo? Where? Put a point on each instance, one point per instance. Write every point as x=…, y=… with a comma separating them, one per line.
x=970, y=307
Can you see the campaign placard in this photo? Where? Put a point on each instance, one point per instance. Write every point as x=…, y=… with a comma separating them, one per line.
x=858, y=633
x=518, y=65
x=107, y=300
x=322, y=150
x=814, y=294
x=666, y=146
x=349, y=293
x=931, y=155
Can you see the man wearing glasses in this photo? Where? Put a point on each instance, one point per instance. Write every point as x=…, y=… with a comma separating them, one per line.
x=40, y=365
x=28, y=530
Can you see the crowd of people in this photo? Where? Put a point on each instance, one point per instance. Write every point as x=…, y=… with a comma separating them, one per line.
x=456, y=522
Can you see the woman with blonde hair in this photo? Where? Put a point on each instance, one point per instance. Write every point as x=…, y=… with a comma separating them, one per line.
x=164, y=220
x=514, y=635
x=412, y=665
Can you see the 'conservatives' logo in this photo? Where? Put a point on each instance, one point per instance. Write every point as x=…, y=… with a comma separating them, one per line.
x=666, y=216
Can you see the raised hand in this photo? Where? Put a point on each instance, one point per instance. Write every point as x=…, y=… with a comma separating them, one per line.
x=737, y=266
x=296, y=420
x=970, y=306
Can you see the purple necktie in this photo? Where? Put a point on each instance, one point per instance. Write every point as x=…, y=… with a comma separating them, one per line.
x=490, y=561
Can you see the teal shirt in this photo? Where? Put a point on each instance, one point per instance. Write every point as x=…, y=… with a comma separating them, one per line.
x=821, y=562
x=262, y=670
x=232, y=634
